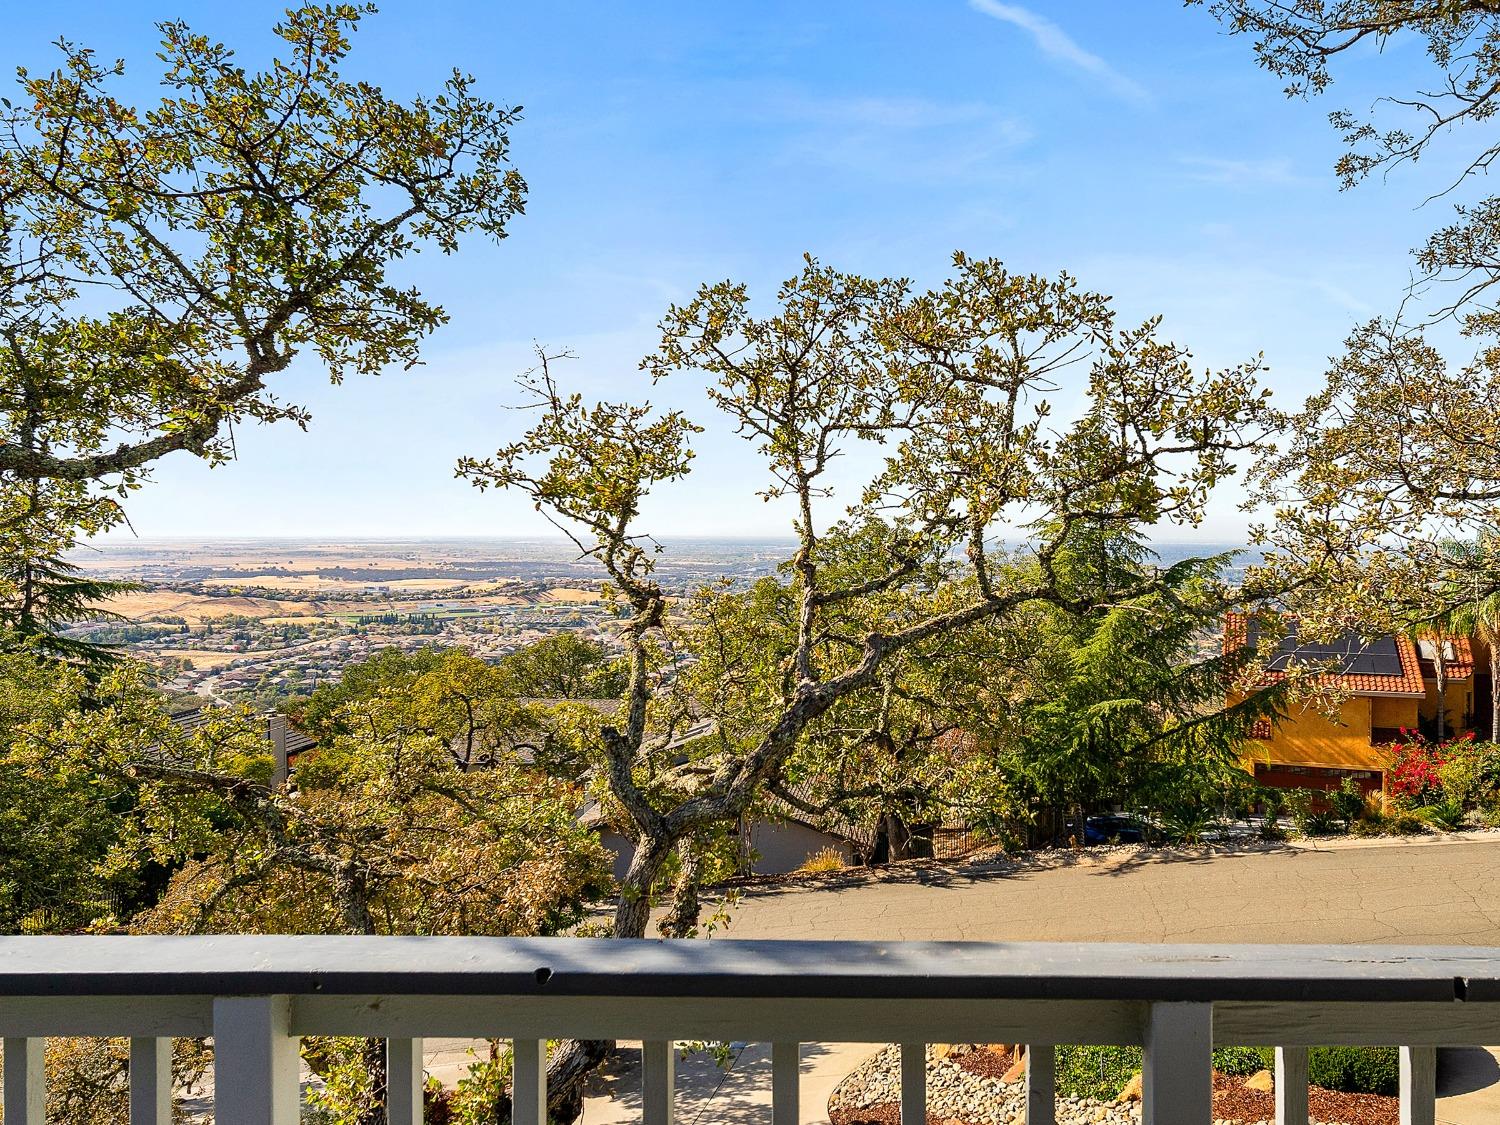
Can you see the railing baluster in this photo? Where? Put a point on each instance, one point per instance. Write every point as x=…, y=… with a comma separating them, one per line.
x=786, y=1083
x=1418, y=1085
x=150, y=1081
x=1291, y=1086
x=1177, y=1073
x=914, y=1084
x=25, y=1081
x=528, y=1083
x=657, y=1065
x=1041, y=1084
x=403, y=1081
x=256, y=1064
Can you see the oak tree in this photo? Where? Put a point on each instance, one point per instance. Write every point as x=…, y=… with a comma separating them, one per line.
x=1397, y=455
x=1300, y=41
x=387, y=829
x=161, y=265
x=953, y=388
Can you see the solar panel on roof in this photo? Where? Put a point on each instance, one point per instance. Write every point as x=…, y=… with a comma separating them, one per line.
x=1350, y=654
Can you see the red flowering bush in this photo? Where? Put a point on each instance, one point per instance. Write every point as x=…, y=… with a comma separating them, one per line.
x=1413, y=773
x=1416, y=772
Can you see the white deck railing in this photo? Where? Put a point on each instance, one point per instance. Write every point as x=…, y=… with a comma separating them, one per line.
x=256, y=995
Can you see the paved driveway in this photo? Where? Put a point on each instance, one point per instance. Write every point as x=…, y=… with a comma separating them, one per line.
x=1424, y=891
x=1435, y=892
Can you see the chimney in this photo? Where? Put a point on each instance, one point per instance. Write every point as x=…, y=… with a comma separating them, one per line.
x=276, y=729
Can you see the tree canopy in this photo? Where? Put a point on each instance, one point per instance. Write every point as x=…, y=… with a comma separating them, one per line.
x=954, y=383
x=953, y=386
x=1394, y=457
x=1300, y=41
x=161, y=264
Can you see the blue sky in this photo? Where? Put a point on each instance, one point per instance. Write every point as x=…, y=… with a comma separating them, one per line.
x=671, y=143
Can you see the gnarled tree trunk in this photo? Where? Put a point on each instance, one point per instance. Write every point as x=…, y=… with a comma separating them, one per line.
x=575, y=1059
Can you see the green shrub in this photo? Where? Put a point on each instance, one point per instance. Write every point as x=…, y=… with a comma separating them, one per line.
x=1271, y=801
x=1095, y=1072
x=259, y=768
x=1299, y=806
x=1462, y=774
x=1348, y=802
x=1355, y=1070
x=1489, y=770
x=1189, y=824
x=1406, y=823
x=1243, y=1061
x=1446, y=814
x=1102, y=1072
x=1321, y=823
x=1270, y=830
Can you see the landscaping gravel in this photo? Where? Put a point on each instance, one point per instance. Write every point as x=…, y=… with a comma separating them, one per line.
x=967, y=1090
x=955, y=1093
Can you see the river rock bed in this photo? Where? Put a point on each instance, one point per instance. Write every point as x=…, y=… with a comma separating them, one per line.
x=954, y=1093
x=959, y=1093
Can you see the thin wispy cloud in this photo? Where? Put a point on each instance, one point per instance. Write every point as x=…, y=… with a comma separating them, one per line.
x=1217, y=170
x=897, y=138
x=1056, y=43
x=886, y=112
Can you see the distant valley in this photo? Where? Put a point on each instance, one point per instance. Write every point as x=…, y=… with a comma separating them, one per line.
x=258, y=620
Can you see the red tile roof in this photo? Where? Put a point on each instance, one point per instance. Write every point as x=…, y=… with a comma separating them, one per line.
x=1409, y=682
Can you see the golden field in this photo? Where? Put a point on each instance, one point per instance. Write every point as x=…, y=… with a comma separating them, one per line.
x=197, y=608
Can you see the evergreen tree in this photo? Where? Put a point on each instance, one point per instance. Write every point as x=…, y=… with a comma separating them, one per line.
x=41, y=592
x=46, y=595
x=1132, y=711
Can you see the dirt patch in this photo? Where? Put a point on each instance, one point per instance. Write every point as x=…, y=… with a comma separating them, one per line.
x=888, y=1114
x=197, y=608
x=200, y=657
x=564, y=594
x=1233, y=1102
x=986, y=1064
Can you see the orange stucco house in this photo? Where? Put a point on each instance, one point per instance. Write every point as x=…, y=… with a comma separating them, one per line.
x=1385, y=685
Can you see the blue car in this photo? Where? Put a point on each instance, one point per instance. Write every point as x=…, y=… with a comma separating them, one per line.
x=1113, y=828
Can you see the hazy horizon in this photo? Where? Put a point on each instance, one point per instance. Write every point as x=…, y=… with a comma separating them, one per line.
x=524, y=546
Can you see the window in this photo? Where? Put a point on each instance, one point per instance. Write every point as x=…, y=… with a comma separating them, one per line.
x=1428, y=650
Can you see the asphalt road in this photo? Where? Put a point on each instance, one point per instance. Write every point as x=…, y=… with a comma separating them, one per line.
x=1421, y=892
x=1427, y=891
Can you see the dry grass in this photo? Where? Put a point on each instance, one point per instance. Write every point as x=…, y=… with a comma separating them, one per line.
x=499, y=590
x=564, y=594
x=197, y=608
x=309, y=582
x=202, y=658
x=829, y=859
x=322, y=584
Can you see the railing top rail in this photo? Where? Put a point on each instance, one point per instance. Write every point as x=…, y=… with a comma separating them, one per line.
x=724, y=968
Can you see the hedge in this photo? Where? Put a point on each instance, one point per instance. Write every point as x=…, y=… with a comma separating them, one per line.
x=1355, y=1070
x=1102, y=1072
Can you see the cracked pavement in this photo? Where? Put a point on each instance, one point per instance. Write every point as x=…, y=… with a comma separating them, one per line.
x=1419, y=892
x=1424, y=891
